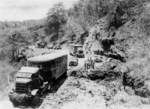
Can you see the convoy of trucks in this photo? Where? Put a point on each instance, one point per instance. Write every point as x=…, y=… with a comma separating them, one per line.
x=37, y=77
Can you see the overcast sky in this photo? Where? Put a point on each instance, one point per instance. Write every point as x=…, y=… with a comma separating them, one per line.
x=19, y=10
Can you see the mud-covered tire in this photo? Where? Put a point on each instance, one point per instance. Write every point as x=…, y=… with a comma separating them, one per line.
x=35, y=100
x=54, y=80
x=65, y=74
x=15, y=104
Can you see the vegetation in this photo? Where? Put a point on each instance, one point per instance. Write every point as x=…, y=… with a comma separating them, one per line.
x=56, y=18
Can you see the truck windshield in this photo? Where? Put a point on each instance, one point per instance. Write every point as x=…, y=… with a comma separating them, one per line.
x=29, y=64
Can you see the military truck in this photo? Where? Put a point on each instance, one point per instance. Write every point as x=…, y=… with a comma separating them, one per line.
x=76, y=50
x=73, y=61
x=33, y=80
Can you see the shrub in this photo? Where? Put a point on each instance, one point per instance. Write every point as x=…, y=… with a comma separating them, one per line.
x=6, y=74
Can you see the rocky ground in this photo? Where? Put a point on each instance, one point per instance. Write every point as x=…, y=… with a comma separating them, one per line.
x=77, y=93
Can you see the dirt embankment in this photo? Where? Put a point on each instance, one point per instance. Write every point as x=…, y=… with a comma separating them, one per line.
x=128, y=45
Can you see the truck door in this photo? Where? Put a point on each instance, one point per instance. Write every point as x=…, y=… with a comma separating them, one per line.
x=58, y=69
x=53, y=69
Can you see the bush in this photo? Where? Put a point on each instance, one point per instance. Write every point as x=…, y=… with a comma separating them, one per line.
x=136, y=75
x=6, y=74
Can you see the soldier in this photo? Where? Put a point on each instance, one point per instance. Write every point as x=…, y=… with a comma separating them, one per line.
x=92, y=60
x=112, y=32
x=35, y=36
x=87, y=65
x=97, y=36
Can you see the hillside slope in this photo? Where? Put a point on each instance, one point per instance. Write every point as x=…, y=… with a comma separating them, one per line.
x=129, y=44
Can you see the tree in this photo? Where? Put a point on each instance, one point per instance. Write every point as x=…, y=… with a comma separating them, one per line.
x=56, y=18
x=89, y=11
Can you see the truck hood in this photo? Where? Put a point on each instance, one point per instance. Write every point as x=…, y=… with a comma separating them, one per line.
x=31, y=70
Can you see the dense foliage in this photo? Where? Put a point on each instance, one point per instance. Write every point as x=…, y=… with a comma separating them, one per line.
x=56, y=18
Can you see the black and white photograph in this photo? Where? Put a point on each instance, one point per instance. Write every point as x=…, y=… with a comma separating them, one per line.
x=74, y=54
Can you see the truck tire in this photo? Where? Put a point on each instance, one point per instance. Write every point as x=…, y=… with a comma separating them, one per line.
x=53, y=82
x=15, y=104
x=65, y=74
x=36, y=100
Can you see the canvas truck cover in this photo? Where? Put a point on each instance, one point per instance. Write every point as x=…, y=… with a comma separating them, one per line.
x=46, y=57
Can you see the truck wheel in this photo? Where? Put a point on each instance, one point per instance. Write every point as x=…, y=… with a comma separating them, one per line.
x=35, y=100
x=15, y=104
x=65, y=74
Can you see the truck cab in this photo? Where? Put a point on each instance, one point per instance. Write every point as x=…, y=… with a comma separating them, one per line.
x=26, y=78
x=73, y=61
